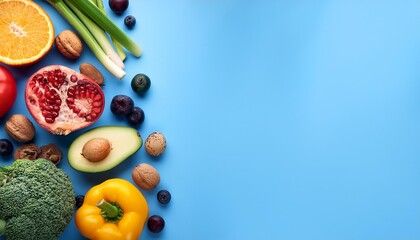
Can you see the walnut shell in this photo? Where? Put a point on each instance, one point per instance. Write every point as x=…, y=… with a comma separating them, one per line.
x=27, y=151
x=20, y=128
x=69, y=44
x=145, y=176
x=51, y=152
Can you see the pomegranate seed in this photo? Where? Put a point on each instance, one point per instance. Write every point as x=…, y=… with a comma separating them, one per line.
x=46, y=113
x=76, y=109
x=36, y=89
x=49, y=120
x=96, y=110
x=73, y=78
x=88, y=118
x=97, y=104
x=56, y=108
x=70, y=100
x=54, y=114
x=97, y=97
x=58, y=102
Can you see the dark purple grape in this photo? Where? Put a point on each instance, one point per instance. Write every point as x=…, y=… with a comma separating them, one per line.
x=6, y=147
x=164, y=196
x=136, y=116
x=79, y=200
x=130, y=21
x=118, y=6
x=155, y=224
x=121, y=105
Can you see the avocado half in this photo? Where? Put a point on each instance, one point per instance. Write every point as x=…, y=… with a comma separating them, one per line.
x=125, y=141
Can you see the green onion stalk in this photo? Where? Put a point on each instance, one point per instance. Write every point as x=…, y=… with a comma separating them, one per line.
x=117, y=45
x=103, y=21
x=98, y=34
x=92, y=43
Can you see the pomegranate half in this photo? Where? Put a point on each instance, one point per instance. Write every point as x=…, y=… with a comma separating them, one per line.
x=62, y=100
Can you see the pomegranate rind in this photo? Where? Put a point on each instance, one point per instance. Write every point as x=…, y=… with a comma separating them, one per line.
x=48, y=93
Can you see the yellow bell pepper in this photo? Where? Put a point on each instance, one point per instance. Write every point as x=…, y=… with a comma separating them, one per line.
x=114, y=209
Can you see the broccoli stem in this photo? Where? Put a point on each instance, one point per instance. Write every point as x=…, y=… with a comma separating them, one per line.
x=2, y=226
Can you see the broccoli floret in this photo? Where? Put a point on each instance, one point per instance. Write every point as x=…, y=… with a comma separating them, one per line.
x=36, y=200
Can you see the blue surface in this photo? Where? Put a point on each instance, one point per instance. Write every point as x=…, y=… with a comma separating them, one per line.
x=284, y=119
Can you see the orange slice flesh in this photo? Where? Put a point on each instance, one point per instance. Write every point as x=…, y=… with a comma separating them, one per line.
x=26, y=32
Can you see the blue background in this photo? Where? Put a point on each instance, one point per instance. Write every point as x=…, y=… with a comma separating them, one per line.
x=284, y=119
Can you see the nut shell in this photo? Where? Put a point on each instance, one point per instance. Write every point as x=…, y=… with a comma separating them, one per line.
x=92, y=72
x=27, y=151
x=51, y=152
x=69, y=44
x=155, y=144
x=146, y=176
x=20, y=128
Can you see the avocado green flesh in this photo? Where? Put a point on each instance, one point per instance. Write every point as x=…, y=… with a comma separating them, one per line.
x=125, y=141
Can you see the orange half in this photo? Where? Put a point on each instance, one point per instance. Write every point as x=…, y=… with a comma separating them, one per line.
x=26, y=32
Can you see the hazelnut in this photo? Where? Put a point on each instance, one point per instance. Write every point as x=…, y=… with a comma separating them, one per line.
x=20, y=128
x=92, y=72
x=155, y=144
x=96, y=149
x=69, y=44
x=145, y=176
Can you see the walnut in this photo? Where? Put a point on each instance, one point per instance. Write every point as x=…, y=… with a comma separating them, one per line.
x=51, y=152
x=69, y=44
x=27, y=151
x=20, y=128
x=145, y=176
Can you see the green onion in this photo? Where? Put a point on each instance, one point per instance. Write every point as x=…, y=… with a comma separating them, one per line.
x=103, y=21
x=96, y=49
x=117, y=45
x=99, y=35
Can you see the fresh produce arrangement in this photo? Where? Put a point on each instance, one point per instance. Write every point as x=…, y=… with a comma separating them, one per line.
x=37, y=196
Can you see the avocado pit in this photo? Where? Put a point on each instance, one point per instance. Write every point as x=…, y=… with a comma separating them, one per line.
x=96, y=149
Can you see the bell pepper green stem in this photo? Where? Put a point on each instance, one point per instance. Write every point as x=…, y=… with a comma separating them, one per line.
x=2, y=227
x=110, y=210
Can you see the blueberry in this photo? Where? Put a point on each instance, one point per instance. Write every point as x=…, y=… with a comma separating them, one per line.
x=164, y=196
x=155, y=223
x=140, y=83
x=130, y=21
x=6, y=147
x=136, y=116
x=121, y=105
x=79, y=200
